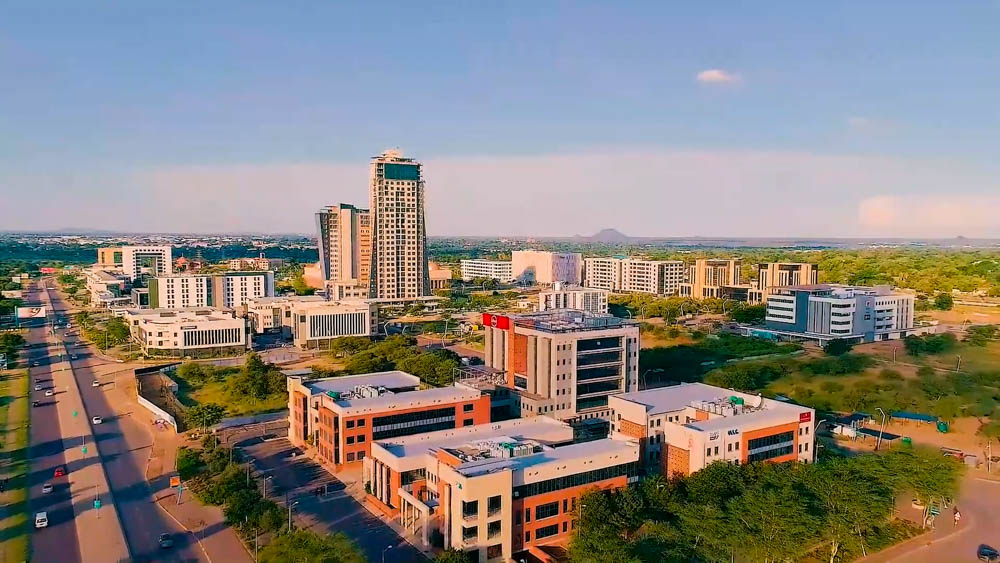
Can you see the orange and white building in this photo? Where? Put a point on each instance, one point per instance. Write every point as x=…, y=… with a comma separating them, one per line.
x=686, y=427
x=342, y=416
x=497, y=491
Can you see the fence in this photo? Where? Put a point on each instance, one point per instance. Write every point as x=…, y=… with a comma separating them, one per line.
x=158, y=412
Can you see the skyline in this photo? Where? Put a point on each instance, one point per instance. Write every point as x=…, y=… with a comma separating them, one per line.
x=786, y=121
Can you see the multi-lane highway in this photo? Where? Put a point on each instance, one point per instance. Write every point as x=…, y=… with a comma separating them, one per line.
x=124, y=441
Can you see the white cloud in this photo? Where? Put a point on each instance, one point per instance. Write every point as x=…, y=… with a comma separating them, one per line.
x=858, y=122
x=717, y=76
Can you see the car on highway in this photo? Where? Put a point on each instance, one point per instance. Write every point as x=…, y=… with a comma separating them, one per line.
x=38, y=387
x=987, y=553
x=166, y=541
x=46, y=488
x=49, y=393
x=95, y=383
x=72, y=356
x=36, y=403
x=97, y=420
x=41, y=519
x=35, y=363
x=60, y=471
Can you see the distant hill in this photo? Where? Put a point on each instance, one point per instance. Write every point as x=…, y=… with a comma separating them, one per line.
x=612, y=236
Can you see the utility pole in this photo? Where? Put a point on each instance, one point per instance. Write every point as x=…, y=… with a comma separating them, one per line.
x=881, y=430
x=958, y=367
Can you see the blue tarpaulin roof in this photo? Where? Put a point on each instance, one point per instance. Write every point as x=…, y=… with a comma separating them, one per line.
x=914, y=416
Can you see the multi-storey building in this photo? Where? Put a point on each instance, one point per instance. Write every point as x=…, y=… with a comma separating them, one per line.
x=108, y=289
x=634, y=275
x=316, y=324
x=399, y=232
x=715, y=278
x=498, y=492
x=564, y=363
x=344, y=241
x=826, y=312
x=146, y=260
x=274, y=314
x=109, y=257
x=259, y=263
x=228, y=290
x=603, y=272
x=573, y=297
x=781, y=274
x=342, y=416
x=199, y=331
x=500, y=270
x=686, y=427
x=546, y=268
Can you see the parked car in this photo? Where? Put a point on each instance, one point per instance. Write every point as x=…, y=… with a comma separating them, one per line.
x=38, y=387
x=49, y=393
x=41, y=519
x=987, y=553
x=36, y=403
x=95, y=383
x=166, y=541
x=46, y=488
x=59, y=472
x=97, y=420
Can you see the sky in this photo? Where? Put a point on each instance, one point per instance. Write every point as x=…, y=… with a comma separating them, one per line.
x=668, y=119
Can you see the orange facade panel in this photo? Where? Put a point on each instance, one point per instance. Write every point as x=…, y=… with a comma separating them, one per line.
x=792, y=427
x=677, y=460
x=632, y=429
x=527, y=526
x=517, y=361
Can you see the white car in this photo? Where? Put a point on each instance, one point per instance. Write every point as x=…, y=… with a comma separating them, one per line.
x=97, y=420
x=95, y=383
x=41, y=520
x=46, y=488
x=49, y=393
x=38, y=387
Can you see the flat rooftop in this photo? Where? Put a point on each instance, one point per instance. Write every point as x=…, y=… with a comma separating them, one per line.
x=359, y=403
x=390, y=379
x=569, y=320
x=624, y=450
x=185, y=314
x=715, y=400
x=542, y=430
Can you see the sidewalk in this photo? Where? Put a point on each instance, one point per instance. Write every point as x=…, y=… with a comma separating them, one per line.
x=218, y=541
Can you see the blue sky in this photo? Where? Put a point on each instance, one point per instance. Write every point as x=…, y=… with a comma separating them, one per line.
x=248, y=116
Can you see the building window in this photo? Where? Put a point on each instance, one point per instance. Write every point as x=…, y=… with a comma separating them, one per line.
x=470, y=533
x=547, y=510
x=467, y=422
x=527, y=515
x=493, y=529
x=470, y=509
x=350, y=457
x=468, y=407
x=547, y=531
x=361, y=439
x=493, y=505
x=527, y=537
x=350, y=440
x=361, y=423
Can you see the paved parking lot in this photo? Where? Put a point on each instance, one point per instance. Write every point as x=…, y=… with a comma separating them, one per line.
x=296, y=478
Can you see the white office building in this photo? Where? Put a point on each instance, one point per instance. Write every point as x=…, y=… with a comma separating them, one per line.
x=500, y=270
x=196, y=332
x=316, y=324
x=634, y=275
x=574, y=297
x=228, y=290
x=546, y=268
x=146, y=260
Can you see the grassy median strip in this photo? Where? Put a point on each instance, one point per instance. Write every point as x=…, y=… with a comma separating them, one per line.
x=14, y=418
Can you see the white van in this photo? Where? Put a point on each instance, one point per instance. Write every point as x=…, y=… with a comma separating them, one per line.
x=41, y=520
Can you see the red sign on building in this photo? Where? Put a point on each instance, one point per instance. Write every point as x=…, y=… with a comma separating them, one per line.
x=47, y=270
x=805, y=417
x=496, y=321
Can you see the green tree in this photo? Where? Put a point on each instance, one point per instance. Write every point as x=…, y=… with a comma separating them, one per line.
x=943, y=302
x=838, y=347
x=748, y=314
x=117, y=330
x=452, y=555
x=205, y=415
x=848, y=512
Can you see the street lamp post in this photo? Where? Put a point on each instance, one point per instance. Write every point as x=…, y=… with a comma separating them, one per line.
x=387, y=548
x=290, y=506
x=265, y=480
x=881, y=429
x=647, y=372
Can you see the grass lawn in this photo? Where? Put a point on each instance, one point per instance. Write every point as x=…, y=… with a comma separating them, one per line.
x=14, y=418
x=218, y=392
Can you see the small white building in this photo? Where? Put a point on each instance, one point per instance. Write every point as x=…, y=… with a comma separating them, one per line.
x=499, y=270
x=574, y=297
x=198, y=331
x=315, y=324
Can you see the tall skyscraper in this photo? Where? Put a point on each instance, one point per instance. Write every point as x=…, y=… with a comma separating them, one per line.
x=399, y=234
x=344, y=238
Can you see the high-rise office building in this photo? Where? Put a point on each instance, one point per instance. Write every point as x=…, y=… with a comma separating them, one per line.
x=781, y=274
x=399, y=268
x=633, y=275
x=715, y=278
x=344, y=240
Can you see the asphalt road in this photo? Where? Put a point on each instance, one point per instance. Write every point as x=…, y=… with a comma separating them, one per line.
x=57, y=542
x=125, y=444
x=336, y=511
